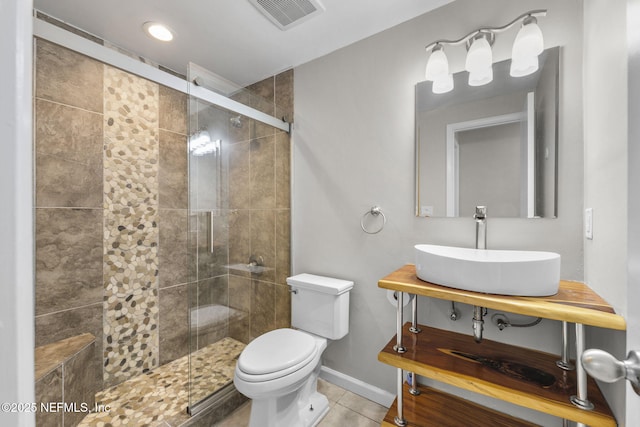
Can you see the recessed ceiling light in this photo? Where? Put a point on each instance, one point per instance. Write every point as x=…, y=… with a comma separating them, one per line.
x=158, y=31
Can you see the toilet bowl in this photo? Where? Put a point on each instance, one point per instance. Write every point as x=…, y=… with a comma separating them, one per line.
x=279, y=370
x=292, y=373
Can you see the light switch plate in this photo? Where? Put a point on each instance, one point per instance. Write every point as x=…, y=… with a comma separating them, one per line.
x=588, y=223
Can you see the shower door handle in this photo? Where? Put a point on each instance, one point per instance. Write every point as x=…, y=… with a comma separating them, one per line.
x=211, y=236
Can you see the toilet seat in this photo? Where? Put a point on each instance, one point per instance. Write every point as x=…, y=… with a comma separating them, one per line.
x=276, y=354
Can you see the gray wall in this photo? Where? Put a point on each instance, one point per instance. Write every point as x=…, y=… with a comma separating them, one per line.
x=610, y=164
x=354, y=148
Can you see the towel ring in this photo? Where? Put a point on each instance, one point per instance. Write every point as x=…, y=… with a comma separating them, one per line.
x=374, y=211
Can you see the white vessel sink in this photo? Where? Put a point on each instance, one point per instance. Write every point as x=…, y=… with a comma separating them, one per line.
x=523, y=273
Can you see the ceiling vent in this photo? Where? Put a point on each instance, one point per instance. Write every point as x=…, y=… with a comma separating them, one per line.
x=288, y=13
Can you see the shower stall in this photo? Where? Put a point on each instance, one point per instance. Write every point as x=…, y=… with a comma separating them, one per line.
x=238, y=166
x=162, y=231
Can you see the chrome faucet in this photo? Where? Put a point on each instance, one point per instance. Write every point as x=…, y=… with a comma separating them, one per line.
x=481, y=243
x=481, y=227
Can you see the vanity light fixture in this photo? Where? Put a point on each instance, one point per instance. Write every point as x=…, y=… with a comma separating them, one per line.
x=479, y=61
x=158, y=31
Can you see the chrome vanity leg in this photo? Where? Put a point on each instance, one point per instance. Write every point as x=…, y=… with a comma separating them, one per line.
x=414, y=316
x=581, y=400
x=413, y=386
x=399, y=419
x=413, y=389
x=565, y=363
x=399, y=348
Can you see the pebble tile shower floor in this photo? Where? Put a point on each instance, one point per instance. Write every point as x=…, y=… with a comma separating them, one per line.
x=160, y=397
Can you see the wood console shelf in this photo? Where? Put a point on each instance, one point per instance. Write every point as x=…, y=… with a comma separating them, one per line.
x=521, y=376
x=575, y=302
x=433, y=408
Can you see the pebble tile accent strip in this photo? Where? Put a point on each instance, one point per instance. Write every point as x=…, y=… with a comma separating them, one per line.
x=162, y=395
x=131, y=150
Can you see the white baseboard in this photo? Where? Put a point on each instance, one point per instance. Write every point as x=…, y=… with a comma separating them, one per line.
x=357, y=386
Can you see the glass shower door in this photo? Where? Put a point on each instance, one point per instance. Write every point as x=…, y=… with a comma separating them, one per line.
x=237, y=278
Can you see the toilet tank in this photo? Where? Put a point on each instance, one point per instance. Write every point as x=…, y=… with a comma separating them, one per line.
x=320, y=305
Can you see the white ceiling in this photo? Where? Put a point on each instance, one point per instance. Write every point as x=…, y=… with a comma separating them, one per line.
x=231, y=37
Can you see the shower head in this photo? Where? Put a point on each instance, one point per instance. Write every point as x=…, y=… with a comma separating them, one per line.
x=236, y=122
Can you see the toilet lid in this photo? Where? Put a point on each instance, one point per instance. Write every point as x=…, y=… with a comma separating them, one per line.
x=275, y=351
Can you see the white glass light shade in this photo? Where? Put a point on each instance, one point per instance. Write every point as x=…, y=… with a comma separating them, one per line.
x=529, y=41
x=523, y=66
x=479, y=57
x=437, y=65
x=480, y=78
x=443, y=84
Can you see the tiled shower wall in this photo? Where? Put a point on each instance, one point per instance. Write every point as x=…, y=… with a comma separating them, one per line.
x=112, y=218
x=260, y=214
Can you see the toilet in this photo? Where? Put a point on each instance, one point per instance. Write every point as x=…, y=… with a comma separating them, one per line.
x=279, y=370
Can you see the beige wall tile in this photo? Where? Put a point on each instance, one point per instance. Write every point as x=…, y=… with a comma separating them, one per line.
x=173, y=171
x=240, y=300
x=262, y=173
x=173, y=247
x=49, y=390
x=174, y=323
x=173, y=110
x=213, y=295
x=240, y=293
x=262, y=95
x=283, y=306
x=240, y=133
x=239, y=238
x=69, y=147
x=68, y=77
x=263, y=241
x=214, y=291
x=80, y=382
x=284, y=95
x=239, y=176
x=69, y=323
x=211, y=244
x=283, y=171
x=283, y=246
x=263, y=298
x=68, y=259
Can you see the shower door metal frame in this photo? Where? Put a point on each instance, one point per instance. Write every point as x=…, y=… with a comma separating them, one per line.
x=54, y=34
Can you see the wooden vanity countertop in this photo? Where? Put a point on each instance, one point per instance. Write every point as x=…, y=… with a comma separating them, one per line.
x=575, y=302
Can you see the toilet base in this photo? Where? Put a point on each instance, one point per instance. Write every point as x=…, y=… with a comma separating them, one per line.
x=305, y=407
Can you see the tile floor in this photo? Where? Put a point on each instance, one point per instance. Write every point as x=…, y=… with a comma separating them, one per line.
x=346, y=409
